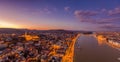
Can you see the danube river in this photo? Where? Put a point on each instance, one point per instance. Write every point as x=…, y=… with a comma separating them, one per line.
x=88, y=49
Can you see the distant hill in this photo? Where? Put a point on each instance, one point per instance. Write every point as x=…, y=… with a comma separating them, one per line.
x=11, y=30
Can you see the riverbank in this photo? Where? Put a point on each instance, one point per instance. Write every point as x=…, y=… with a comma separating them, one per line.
x=92, y=50
x=70, y=51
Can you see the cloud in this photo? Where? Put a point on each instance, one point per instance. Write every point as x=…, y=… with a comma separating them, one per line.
x=112, y=27
x=103, y=10
x=97, y=17
x=67, y=8
x=107, y=19
x=111, y=19
x=47, y=10
x=110, y=24
x=85, y=13
x=115, y=11
x=85, y=16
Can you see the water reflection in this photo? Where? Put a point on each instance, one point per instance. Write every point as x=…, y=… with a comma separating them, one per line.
x=102, y=40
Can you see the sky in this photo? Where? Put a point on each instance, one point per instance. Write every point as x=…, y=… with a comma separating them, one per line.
x=89, y=15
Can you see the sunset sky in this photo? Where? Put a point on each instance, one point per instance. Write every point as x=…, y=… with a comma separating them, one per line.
x=92, y=15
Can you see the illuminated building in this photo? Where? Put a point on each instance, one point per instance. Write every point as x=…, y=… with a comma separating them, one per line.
x=30, y=37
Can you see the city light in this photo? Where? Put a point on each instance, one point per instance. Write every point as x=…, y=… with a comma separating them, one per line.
x=59, y=30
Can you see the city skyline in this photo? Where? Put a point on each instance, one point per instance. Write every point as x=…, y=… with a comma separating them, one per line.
x=103, y=15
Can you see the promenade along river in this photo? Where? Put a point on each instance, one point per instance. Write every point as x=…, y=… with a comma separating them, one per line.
x=88, y=49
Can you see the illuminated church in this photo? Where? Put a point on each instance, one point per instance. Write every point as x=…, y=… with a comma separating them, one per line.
x=30, y=37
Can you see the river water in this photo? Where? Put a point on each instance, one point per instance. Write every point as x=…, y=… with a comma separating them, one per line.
x=88, y=49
